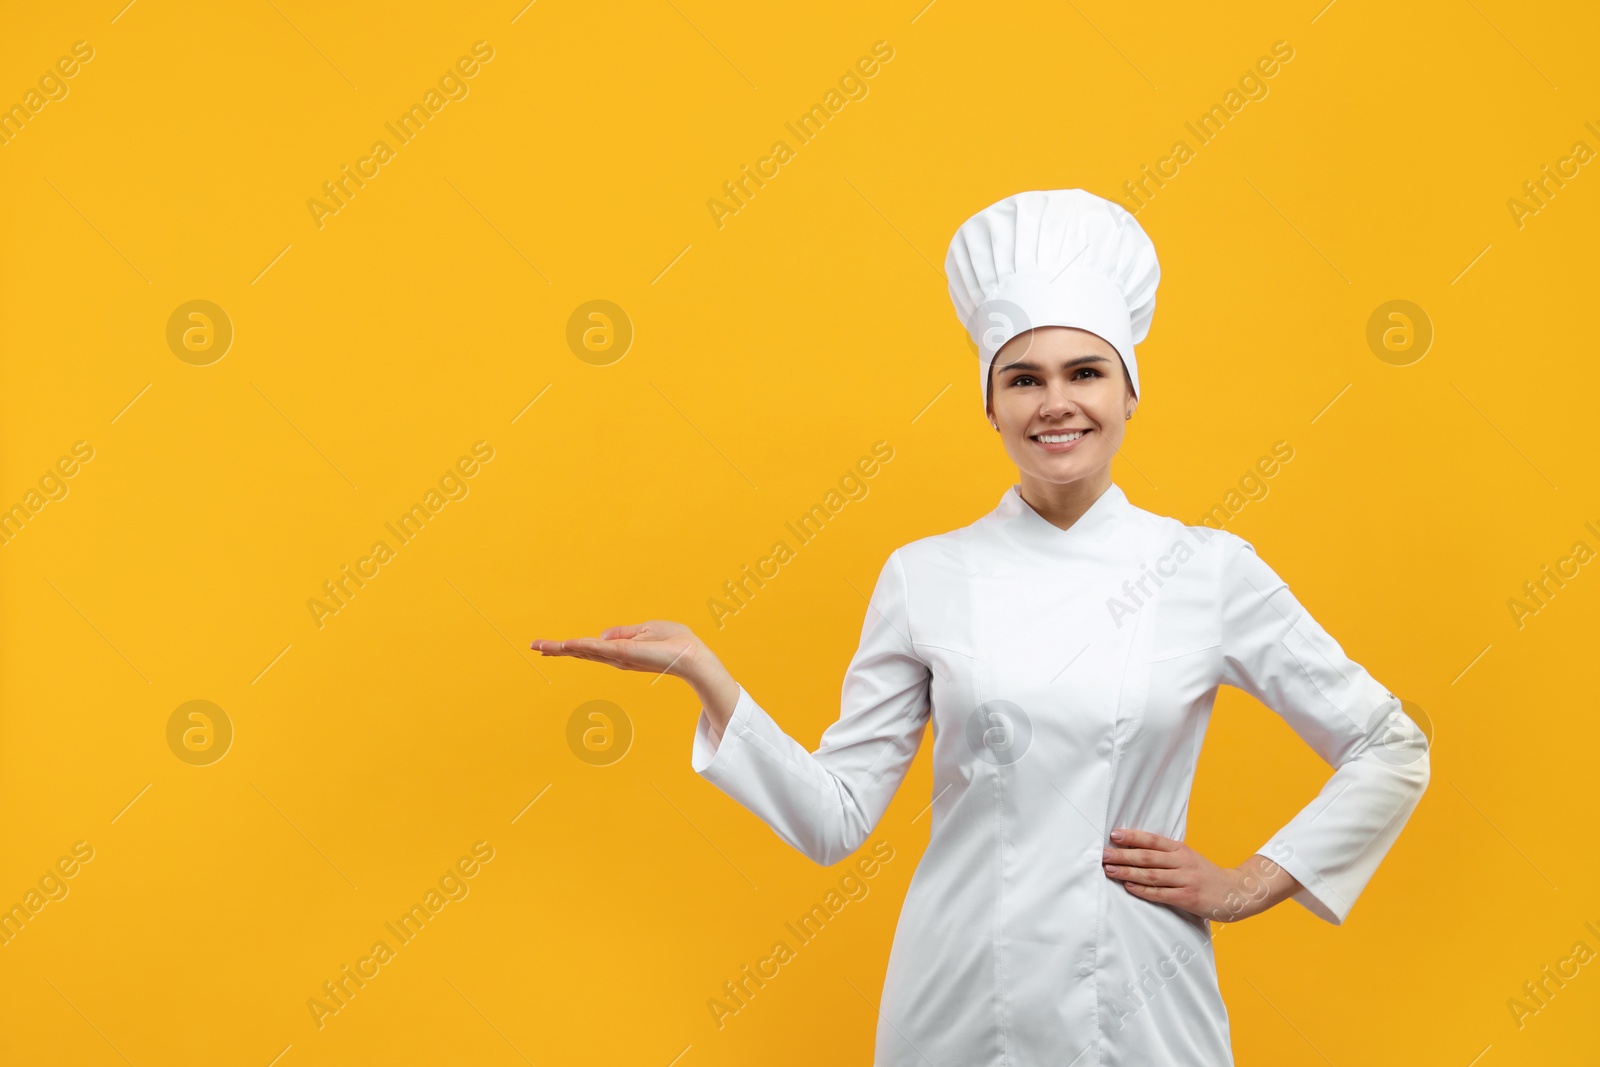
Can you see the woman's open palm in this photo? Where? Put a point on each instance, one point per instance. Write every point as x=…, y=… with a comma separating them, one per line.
x=656, y=646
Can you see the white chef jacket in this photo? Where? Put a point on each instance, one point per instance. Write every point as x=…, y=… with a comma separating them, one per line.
x=1069, y=675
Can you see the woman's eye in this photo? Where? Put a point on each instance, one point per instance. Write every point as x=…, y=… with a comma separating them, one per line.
x=1028, y=379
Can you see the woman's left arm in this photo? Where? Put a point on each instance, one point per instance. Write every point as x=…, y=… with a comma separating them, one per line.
x=1274, y=650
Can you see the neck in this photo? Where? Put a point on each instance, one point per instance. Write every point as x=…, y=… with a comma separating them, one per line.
x=1063, y=503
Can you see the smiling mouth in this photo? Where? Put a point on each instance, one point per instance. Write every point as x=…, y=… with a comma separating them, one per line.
x=1059, y=438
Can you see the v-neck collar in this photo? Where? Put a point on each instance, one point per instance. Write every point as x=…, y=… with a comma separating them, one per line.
x=1016, y=518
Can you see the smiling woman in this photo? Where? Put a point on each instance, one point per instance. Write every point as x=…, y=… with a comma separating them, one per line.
x=1056, y=880
x=1059, y=400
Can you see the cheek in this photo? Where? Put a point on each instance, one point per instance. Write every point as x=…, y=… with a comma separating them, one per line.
x=1107, y=434
x=1007, y=412
x=1113, y=425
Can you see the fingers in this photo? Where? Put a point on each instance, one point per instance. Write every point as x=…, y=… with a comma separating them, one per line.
x=653, y=630
x=1158, y=894
x=1143, y=839
x=557, y=648
x=621, y=653
x=614, y=633
x=634, y=648
x=1142, y=857
x=1146, y=861
x=571, y=645
x=1145, y=876
x=575, y=648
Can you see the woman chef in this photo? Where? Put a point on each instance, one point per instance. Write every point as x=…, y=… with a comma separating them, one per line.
x=1068, y=647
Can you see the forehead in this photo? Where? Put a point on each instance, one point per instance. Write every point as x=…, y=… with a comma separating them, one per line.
x=1052, y=345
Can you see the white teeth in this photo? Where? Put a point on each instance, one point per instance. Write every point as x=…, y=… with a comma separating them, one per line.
x=1058, y=438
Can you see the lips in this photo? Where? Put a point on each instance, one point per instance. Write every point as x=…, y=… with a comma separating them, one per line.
x=1061, y=446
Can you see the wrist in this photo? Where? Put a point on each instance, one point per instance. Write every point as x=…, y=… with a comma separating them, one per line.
x=698, y=665
x=705, y=674
x=1241, y=895
x=715, y=687
x=1259, y=884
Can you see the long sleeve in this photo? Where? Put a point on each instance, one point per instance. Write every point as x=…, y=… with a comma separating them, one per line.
x=826, y=803
x=1275, y=651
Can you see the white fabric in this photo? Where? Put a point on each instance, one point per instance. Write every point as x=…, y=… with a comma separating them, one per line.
x=1059, y=257
x=1013, y=947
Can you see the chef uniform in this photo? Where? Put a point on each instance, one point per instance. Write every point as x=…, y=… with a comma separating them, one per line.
x=1069, y=675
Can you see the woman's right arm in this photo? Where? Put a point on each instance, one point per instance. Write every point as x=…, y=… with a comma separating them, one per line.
x=824, y=803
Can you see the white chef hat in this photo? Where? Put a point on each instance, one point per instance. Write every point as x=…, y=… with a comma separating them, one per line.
x=1058, y=257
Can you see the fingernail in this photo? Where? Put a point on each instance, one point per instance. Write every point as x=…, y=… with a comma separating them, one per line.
x=1106, y=852
x=1116, y=835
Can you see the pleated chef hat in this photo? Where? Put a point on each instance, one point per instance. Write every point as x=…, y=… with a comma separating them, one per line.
x=1059, y=257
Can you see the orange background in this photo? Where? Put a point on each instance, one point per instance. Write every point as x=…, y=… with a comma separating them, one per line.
x=369, y=354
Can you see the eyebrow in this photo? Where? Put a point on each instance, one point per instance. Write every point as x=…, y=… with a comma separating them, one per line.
x=1030, y=365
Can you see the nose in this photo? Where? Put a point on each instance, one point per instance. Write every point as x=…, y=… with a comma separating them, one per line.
x=1056, y=401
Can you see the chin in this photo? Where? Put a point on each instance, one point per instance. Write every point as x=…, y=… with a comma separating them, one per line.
x=1067, y=467
x=1064, y=470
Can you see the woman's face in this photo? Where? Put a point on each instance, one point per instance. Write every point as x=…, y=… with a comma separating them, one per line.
x=1055, y=380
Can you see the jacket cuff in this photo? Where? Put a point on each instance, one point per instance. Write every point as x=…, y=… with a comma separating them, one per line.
x=1315, y=894
x=710, y=759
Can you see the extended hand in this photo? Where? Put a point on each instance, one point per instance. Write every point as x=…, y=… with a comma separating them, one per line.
x=657, y=647
x=1159, y=869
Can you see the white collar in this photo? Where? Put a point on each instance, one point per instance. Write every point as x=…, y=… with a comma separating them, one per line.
x=1016, y=518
